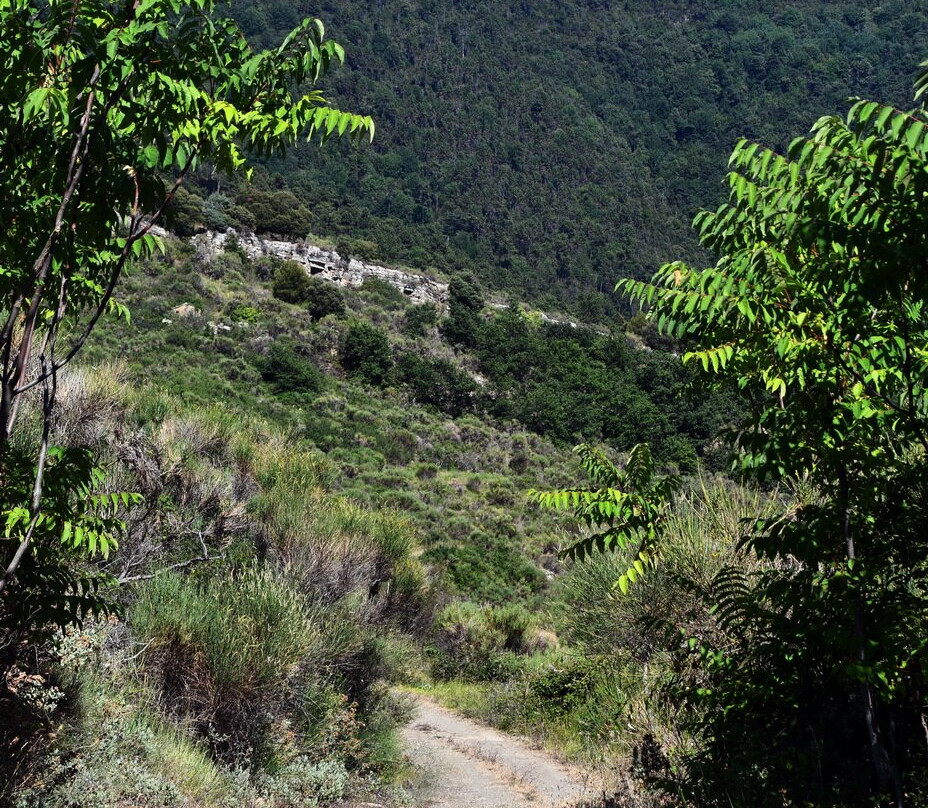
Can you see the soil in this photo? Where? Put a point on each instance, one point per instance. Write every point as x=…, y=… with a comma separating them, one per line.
x=464, y=764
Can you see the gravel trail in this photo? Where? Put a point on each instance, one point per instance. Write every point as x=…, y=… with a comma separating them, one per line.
x=467, y=765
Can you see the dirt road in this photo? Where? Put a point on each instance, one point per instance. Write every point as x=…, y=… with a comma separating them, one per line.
x=467, y=765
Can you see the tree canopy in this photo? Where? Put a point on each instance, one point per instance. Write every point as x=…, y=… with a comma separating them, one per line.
x=105, y=107
x=810, y=686
x=553, y=147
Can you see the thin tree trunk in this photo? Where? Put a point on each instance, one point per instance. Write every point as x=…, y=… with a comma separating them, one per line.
x=885, y=767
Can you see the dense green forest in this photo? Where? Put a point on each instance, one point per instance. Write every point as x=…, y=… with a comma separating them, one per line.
x=555, y=147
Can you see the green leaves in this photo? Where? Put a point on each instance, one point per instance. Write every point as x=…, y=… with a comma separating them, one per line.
x=79, y=519
x=815, y=315
x=104, y=108
x=625, y=510
x=151, y=88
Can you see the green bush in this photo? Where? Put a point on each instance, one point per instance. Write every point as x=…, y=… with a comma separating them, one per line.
x=702, y=538
x=419, y=319
x=276, y=212
x=243, y=313
x=222, y=651
x=464, y=305
x=290, y=372
x=185, y=214
x=514, y=622
x=266, y=266
x=364, y=249
x=220, y=213
x=562, y=689
x=382, y=294
x=336, y=549
x=303, y=783
x=426, y=471
x=437, y=383
x=487, y=566
x=323, y=298
x=466, y=645
x=477, y=643
x=291, y=282
x=366, y=353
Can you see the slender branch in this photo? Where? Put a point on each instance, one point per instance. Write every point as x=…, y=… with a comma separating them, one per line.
x=13, y=376
x=114, y=278
x=124, y=579
x=49, y=392
x=179, y=565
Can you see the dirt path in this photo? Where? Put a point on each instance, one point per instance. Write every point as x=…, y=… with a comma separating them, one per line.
x=467, y=765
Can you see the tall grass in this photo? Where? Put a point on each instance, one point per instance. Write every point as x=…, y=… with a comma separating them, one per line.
x=701, y=538
x=336, y=548
x=629, y=637
x=223, y=650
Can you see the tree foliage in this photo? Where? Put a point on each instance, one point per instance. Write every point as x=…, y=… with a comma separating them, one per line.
x=291, y=283
x=288, y=371
x=625, y=511
x=366, y=353
x=324, y=298
x=464, y=306
x=816, y=314
x=105, y=108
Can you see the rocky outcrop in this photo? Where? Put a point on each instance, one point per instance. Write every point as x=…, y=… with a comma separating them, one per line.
x=327, y=264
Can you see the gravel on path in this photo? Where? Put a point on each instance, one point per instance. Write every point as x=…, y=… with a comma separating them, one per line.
x=468, y=765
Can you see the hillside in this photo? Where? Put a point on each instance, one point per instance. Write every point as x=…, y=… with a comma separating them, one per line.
x=332, y=501
x=452, y=434
x=552, y=147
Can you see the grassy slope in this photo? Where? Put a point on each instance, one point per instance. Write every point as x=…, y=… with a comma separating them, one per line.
x=461, y=481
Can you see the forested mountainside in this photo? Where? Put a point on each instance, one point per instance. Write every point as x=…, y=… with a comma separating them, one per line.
x=553, y=147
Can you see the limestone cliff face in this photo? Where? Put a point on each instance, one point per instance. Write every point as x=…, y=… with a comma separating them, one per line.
x=326, y=264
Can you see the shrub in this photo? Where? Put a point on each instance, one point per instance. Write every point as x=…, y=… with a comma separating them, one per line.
x=303, y=783
x=266, y=267
x=323, y=298
x=426, y=471
x=334, y=549
x=243, y=313
x=478, y=643
x=288, y=371
x=464, y=306
x=364, y=249
x=419, y=319
x=467, y=644
x=366, y=353
x=291, y=282
x=220, y=213
x=488, y=567
x=222, y=651
x=702, y=536
x=383, y=294
x=437, y=383
x=559, y=690
x=277, y=212
x=513, y=622
x=185, y=214
x=228, y=264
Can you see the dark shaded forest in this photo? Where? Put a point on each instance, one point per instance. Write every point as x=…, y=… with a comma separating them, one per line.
x=552, y=148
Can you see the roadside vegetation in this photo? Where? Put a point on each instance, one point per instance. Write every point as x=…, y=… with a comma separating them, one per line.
x=263, y=618
x=282, y=485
